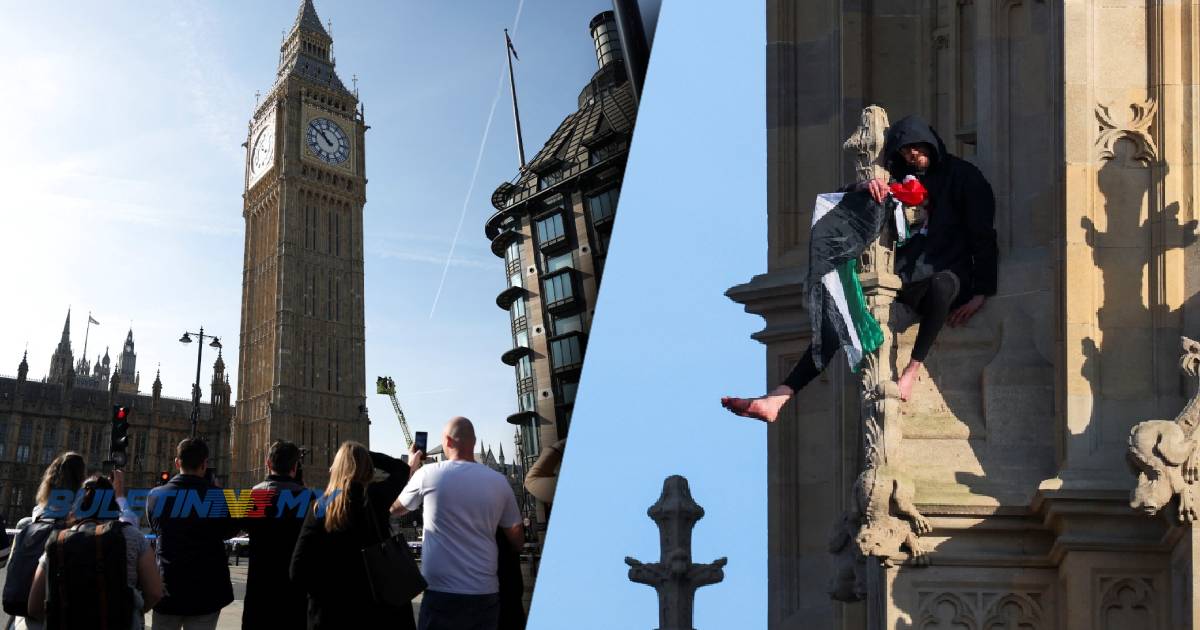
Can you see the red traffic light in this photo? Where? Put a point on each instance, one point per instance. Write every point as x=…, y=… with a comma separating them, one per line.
x=121, y=413
x=164, y=477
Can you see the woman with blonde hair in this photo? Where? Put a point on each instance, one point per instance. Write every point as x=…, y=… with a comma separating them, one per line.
x=328, y=561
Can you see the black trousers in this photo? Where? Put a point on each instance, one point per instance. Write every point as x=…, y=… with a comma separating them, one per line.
x=930, y=298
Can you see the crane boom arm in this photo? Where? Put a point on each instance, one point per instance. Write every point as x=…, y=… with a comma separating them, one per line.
x=385, y=385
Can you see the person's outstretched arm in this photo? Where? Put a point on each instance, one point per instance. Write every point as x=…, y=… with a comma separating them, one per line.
x=384, y=492
x=542, y=478
x=410, y=497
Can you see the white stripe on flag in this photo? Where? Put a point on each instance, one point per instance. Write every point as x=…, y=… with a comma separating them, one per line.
x=825, y=202
x=833, y=284
x=901, y=222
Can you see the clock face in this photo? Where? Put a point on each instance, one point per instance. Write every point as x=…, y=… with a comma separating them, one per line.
x=263, y=151
x=327, y=141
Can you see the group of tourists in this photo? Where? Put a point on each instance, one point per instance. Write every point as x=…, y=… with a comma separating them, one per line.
x=92, y=566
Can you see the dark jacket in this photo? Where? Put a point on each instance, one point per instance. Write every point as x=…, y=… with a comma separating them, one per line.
x=329, y=565
x=961, y=237
x=512, y=585
x=191, y=549
x=272, y=600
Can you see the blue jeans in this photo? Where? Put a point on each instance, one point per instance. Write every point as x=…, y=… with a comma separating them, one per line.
x=452, y=611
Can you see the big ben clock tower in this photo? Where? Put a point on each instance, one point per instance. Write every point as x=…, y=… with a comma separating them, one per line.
x=301, y=368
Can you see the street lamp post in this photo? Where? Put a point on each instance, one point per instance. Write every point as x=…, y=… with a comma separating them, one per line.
x=216, y=343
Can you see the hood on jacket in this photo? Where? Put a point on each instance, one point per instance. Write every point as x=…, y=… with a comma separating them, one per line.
x=910, y=130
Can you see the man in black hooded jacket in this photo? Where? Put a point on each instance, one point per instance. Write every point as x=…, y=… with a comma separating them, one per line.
x=272, y=600
x=948, y=264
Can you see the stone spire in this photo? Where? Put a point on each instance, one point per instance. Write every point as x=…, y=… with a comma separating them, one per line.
x=23, y=368
x=127, y=364
x=219, y=393
x=61, y=362
x=157, y=387
x=307, y=20
x=675, y=576
x=307, y=51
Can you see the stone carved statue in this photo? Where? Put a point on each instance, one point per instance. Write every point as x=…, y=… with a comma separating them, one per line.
x=675, y=576
x=882, y=519
x=1164, y=453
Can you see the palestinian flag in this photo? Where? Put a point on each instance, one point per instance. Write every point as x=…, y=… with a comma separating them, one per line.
x=843, y=225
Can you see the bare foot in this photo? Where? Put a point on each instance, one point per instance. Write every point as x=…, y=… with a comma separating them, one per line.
x=908, y=378
x=764, y=408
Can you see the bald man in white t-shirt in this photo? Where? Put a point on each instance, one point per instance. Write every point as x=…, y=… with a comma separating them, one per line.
x=464, y=504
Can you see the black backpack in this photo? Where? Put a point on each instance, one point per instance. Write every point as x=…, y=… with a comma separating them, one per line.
x=28, y=545
x=87, y=581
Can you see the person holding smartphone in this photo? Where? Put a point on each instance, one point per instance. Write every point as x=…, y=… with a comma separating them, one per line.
x=464, y=504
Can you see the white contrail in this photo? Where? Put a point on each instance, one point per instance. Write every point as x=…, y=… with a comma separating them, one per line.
x=475, y=174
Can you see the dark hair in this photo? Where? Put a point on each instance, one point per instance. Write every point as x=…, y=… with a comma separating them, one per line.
x=90, y=500
x=66, y=472
x=192, y=453
x=283, y=457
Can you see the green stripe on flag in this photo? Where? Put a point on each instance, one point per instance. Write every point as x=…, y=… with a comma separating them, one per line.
x=869, y=333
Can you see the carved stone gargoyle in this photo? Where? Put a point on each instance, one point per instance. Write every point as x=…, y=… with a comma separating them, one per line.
x=882, y=520
x=1164, y=454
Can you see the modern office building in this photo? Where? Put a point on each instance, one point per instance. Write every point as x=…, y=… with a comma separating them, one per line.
x=552, y=226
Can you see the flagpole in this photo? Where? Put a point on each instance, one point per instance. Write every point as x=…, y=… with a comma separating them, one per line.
x=87, y=329
x=512, y=84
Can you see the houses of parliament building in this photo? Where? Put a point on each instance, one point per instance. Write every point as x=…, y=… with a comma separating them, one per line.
x=71, y=409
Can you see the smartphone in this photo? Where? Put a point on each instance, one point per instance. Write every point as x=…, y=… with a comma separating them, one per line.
x=421, y=441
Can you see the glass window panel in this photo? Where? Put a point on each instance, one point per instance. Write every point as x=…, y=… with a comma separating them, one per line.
x=558, y=289
x=513, y=253
x=530, y=440
x=568, y=324
x=566, y=392
x=522, y=339
x=565, y=353
x=524, y=368
x=562, y=261
x=550, y=228
x=603, y=205
x=514, y=280
x=549, y=179
x=517, y=309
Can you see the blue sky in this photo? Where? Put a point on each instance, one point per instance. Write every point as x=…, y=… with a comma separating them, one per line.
x=666, y=343
x=123, y=179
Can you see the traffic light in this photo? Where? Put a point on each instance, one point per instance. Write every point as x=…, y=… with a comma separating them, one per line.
x=164, y=477
x=120, y=435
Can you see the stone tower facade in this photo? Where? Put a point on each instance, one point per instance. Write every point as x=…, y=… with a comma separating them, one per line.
x=61, y=362
x=1082, y=116
x=127, y=366
x=301, y=363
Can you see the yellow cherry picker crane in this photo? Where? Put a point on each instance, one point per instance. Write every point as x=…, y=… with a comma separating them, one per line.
x=386, y=386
